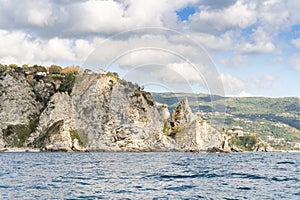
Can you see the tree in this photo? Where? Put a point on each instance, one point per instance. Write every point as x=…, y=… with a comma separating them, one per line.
x=38, y=68
x=55, y=69
x=13, y=66
x=71, y=70
x=25, y=66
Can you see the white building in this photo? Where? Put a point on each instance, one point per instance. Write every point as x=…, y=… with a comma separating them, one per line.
x=237, y=130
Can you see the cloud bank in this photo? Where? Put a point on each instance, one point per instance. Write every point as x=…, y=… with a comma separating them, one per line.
x=46, y=32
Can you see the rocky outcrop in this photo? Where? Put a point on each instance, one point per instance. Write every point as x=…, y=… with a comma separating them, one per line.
x=116, y=115
x=262, y=146
x=19, y=109
x=192, y=133
x=94, y=112
x=55, y=130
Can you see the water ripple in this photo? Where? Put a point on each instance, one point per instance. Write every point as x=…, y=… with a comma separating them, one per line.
x=149, y=176
x=243, y=188
x=280, y=179
x=286, y=162
x=247, y=176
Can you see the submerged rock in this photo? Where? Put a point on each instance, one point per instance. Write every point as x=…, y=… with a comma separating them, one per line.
x=217, y=150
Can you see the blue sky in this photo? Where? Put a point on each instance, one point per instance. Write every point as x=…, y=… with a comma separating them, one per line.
x=252, y=47
x=184, y=13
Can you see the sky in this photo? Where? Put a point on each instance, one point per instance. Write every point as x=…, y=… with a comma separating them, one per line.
x=226, y=47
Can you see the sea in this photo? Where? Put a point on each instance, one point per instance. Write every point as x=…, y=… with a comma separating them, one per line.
x=150, y=175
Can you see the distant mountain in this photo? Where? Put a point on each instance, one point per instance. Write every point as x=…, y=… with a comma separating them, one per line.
x=276, y=120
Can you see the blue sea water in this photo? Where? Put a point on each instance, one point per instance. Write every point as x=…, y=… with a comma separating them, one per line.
x=149, y=176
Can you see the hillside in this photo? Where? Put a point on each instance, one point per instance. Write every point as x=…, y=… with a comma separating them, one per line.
x=276, y=120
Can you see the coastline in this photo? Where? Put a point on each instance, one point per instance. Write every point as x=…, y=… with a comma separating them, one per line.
x=33, y=150
x=19, y=150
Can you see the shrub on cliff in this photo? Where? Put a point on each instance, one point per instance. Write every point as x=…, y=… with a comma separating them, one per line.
x=246, y=142
x=37, y=68
x=67, y=83
x=71, y=70
x=12, y=66
x=2, y=68
x=16, y=135
x=113, y=74
x=55, y=69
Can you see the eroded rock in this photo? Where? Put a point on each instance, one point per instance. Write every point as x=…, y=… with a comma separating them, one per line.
x=95, y=112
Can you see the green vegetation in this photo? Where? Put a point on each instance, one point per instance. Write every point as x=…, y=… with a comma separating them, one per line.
x=75, y=135
x=37, y=68
x=113, y=74
x=176, y=113
x=13, y=66
x=55, y=75
x=171, y=131
x=176, y=129
x=67, y=83
x=71, y=70
x=16, y=135
x=54, y=69
x=246, y=142
x=176, y=132
x=166, y=128
x=44, y=137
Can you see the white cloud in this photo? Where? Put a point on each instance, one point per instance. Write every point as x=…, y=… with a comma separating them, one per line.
x=235, y=61
x=28, y=13
x=277, y=15
x=274, y=14
x=259, y=41
x=239, y=15
x=223, y=42
x=56, y=49
x=157, y=46
x=18, y=47
x=232, y=85
x=269, y=77
x=82, y=48
x=95, y=17
x=262, y=43
x=295, y=62
x=115, y=16
x=266, y=18
x=296, y=42
x=217, y=4
x=263, y=81
x=39, y=17
x=267, y=47
x=297, y=66
x=241, y=94
x=244, y=94
x=181, y=73
x=78, y=18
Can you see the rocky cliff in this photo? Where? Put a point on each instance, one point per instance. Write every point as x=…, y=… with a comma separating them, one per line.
x=191, y=132
x=94, y=112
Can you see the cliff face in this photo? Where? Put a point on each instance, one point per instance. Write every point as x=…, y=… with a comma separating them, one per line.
x=192, y=133
x=95, y=112
x=116, y=115
x=18, y=109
